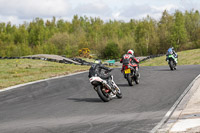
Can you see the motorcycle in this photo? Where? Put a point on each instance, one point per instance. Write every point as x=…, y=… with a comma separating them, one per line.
x=129, y=71
x=171, y=59
x=106, y=89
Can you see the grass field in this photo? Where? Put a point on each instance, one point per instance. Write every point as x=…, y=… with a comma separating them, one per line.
x=189, y=57
x=18, y=71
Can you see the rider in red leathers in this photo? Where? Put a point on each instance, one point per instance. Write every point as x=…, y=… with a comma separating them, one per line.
x=129, y=58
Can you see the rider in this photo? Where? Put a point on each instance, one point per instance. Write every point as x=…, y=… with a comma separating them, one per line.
x=95, y=70
x=173, y=52
x=132, y=59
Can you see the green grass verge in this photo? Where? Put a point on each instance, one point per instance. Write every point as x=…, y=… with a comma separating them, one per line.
x=18, y=71
x=189, y=57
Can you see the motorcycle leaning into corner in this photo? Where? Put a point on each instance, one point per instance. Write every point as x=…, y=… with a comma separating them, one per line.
x=130, y=70
x=105, y=88
x=172, y=59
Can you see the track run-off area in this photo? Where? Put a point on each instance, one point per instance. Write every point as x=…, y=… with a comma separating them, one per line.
x=70, y=104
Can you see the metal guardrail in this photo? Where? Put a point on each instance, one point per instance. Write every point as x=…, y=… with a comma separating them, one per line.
x=69, y=61
x=151, y=56
x=77, y=61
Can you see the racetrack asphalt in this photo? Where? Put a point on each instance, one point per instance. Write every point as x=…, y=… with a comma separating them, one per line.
x=70, y=105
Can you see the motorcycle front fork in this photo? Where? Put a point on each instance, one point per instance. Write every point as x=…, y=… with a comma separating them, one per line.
x=114, y=87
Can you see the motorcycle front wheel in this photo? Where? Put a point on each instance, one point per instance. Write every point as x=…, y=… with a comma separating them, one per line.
x=171, y=65
x=119, y=93
x=102, y=94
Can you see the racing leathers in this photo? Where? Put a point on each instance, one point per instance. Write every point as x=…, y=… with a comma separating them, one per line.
x=96, y=70
x=128, y=58
x=173, y=52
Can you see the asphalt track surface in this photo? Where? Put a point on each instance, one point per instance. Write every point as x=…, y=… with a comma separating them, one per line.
x=70, y=105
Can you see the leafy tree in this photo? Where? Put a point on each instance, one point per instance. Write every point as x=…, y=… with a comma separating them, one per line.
x=111, y=51
x=21, y=35
x=164, y=31
x=146, y=36
x=178, y=33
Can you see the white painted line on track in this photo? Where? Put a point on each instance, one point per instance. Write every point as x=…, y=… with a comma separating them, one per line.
x=172, y=109
x=29, y=83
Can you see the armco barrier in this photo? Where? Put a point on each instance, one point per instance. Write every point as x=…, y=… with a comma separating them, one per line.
x=81, y=61
x=151, y=56
x=38, y=58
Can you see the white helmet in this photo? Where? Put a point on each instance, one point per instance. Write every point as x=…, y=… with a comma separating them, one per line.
x=98, y=62
x=130, y=52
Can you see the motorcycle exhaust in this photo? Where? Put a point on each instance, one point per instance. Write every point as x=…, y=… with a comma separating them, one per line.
x=108, y=87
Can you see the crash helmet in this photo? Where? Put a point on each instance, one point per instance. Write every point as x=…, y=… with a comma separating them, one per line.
x=130, y=52
x=172, y=48
x=98, y=61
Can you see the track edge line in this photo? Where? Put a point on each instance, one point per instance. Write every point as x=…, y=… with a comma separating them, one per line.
x=38, y=81
x=172, y=109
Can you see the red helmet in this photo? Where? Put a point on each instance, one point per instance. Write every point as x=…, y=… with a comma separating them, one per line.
x=130, y=52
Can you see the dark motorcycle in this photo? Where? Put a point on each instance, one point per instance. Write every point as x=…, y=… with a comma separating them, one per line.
x=106, y=89
x=130, y=72
x=171, y=59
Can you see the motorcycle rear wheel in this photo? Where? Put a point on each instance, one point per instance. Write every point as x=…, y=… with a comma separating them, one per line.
x=103, y=95
x=136, y=79
x=130, y=80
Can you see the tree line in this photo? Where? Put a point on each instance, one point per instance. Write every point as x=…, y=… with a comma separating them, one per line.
x=108, y=39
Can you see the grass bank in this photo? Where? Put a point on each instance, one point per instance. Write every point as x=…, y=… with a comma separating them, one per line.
x=188, y=57
x=18, y=71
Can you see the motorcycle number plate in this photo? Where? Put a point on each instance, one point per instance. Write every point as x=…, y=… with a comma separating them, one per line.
x=127, y=71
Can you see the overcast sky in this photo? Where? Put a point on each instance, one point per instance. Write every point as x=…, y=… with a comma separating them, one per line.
x=18, y=11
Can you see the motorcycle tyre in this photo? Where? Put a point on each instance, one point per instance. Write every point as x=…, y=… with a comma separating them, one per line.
x=171, y=65
x=102, y=95
x=130, y=80
x=136, y=79
x=119, y=94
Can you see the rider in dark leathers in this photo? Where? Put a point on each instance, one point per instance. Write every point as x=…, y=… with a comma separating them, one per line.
x=175, y=54
x=96, y=70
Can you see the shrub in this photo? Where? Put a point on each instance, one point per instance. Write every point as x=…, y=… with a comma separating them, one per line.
x=84, y=52
x=111, y=51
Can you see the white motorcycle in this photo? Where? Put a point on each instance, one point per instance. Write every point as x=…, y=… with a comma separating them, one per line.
x=106, y=90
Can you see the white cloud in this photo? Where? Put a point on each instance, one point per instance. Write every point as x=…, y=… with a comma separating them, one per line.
x=169, y=8
x=12, y=19
x=26, y=9
x=135, y=10
x=98, y=9
x=141, y=11
x=116, y=15
x=190, y=4
x=18, y=11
